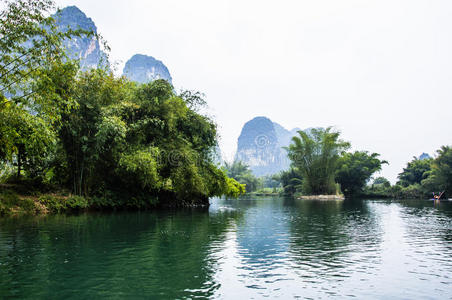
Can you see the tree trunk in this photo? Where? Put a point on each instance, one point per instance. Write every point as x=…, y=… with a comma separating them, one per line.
x=19, y=161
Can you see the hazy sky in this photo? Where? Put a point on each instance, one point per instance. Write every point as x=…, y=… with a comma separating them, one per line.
x=379, y=71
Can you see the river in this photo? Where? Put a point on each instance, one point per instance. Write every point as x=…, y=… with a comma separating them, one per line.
x=236, y=249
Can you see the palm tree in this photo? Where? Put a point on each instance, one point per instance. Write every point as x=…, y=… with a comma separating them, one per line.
x=315, y=154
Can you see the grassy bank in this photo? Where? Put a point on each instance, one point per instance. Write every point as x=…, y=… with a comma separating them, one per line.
x=20, y=200
x=27, y=197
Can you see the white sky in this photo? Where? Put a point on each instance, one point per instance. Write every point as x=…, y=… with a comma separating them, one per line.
x=380, y=71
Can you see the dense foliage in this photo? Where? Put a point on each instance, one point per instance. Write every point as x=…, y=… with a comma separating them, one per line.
x=315, y=154
x=242, y=173
x=96, y=135
x=142, y=138
x=415, y=171
x=442, y=169
x=439, y=178
x=419, y=179
x=355, y=169
x=291, y=181
x=321, y=165
x=142, y=141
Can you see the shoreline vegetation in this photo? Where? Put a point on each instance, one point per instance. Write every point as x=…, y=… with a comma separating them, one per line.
x=19, y=200
x=73, y=139
x=321, y=165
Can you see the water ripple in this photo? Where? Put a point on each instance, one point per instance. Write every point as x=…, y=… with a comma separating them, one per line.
x=255, y=248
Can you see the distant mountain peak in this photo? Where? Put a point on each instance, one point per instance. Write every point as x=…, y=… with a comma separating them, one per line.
x=84, y=48
x=424, y=156
x=260, y=145
x=143, y=68
x=140, y=68
x=73, y=11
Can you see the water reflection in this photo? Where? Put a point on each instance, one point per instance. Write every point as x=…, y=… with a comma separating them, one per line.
x=126, y=254
x=332, y=240
x=249, y=248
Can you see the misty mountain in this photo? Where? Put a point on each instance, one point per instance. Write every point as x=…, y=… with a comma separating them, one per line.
x=143, y=69
x=85, y=48
x=139, y=68
x=260, y=146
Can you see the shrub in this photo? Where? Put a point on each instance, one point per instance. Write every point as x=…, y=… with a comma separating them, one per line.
x=413, y=191
x=28, y=205
x=59, y=204
x=53, y=204
x=76, y=203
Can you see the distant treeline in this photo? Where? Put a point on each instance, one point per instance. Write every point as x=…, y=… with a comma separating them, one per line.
x=321, y=164
x=419, y=179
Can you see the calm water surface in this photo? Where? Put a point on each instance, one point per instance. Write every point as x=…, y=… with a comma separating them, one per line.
x=256, y=248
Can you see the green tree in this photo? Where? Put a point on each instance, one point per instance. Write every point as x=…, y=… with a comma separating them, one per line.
x=440, y=176
x=415, y=171
x=355, y=169
x=381, y=181
x=291, y=181
x=315, y=155
x=90, y=133
x=242, y=173
x=380, y=188
x=144, y=141
x=35, y=76
x=27, y=136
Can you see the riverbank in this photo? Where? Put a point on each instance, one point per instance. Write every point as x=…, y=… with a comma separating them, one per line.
x=26, y=198
x=16, y=200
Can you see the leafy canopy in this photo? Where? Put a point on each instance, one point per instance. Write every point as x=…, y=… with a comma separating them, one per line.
x=242, y=173
x=143, y=139
x=439, y=178
x=415, y=171
x=355, y=169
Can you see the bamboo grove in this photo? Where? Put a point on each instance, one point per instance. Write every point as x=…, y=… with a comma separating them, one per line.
x=93, y=133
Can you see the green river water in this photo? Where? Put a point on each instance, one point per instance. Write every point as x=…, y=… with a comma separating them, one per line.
x=236, y=249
